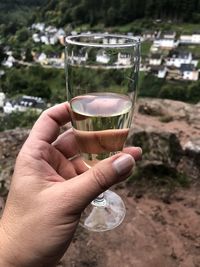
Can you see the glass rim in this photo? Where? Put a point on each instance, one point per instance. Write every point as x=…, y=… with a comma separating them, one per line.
x=134, y=41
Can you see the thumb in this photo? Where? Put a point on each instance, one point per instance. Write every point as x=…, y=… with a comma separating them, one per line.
x=99, y=178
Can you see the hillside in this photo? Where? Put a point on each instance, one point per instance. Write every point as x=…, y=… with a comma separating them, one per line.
x=117, y=12
x=107, y=12
x=18, y=11
x=11, y=4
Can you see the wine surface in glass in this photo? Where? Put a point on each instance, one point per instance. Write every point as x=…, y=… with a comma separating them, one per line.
x=101, y=123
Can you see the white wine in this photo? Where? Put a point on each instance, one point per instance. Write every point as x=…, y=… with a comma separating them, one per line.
x=101, y=123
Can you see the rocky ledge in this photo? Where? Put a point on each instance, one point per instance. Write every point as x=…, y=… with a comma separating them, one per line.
x=168, y=131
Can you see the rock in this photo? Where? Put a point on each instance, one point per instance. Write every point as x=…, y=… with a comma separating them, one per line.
x=193, y=146
x=190, y=162
x=1, y=204
x=153, y=108
x=10, y=144
x=157, y=146
x=168, y=108
x=163, y=154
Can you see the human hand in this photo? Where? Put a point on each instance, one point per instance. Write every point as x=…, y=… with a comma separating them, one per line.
x=50, y=188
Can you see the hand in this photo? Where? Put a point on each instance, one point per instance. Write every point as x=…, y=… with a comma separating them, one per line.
x=50, y=188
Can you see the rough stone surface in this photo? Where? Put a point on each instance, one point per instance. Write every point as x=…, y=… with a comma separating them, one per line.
x=175, y=109
x=10, y=144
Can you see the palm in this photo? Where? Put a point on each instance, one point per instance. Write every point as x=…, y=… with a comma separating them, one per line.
x=50, y=188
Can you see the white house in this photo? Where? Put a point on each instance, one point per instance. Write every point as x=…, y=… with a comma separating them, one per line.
x=36, y=37
x=8, y=107
x=196, y=38
x=2, y=72
x=2, y=99
x=124, y=59
x=51, y=30
x=155, y=59
x=159, y=71
x=44, y=39
x=56, y=61
x=42, y=58
x=149, y=35
x=177, y=58
x=185, y=39
x=78, y=58
x=111, y=40
x=102, y=57
x=163, y=43
x=169, y=35
x=9, y=62
x=53, y=39
x=189, y=72
x=38, y=26
x=190, y=39
x=60, y=33
x=23, y=104
x=143, y=67
x=130, y=34
x=74, y=32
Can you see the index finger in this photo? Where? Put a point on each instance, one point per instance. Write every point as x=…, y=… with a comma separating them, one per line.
x=47, y=127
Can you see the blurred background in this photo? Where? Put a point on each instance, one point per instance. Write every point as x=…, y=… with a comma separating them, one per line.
x=162, y=198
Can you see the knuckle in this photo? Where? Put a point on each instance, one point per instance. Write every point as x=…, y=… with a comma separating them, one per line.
x=44, y=113
x=100, y=178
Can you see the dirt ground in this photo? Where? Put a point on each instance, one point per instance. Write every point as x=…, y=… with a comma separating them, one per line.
x=156, y=232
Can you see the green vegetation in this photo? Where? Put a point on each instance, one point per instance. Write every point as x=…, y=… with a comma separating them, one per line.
x=145, y=48
x=16, y=14
x=151, y=86
x=188, y=28
x=104, y=12
x=161, y=177
x=118, y=12
x=47, y=83
x=18, y=119
x=107, y=12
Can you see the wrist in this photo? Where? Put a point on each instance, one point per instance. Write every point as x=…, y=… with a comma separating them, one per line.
x=4, y=249
x=11, y=256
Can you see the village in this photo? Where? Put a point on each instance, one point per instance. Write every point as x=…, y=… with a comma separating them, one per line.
x=168, y=57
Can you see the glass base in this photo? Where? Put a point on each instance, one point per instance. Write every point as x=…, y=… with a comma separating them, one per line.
x=104, y=214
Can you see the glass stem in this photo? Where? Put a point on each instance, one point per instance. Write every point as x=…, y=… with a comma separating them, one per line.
x=100, y=201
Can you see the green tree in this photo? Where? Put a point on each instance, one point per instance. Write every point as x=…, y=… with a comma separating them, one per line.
x=40, y=89
x=2, y=54
x=28, y=55
x=23, y=34
x=111, y=17
x=18, y=119
x=194, y=92
x=175, y=92
x=15, y=82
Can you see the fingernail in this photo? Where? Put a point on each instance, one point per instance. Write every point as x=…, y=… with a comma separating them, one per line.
x=139, y=156
x=124, y=164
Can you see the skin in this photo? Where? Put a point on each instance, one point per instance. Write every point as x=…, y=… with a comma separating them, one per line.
x=51, y=186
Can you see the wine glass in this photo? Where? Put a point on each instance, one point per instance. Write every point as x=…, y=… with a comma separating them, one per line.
x=102, y=75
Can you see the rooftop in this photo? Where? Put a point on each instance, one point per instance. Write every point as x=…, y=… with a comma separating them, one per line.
x=156, y=56
x=157, y=68
x=187, y=67
x=179, y=54
x=29, y=101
